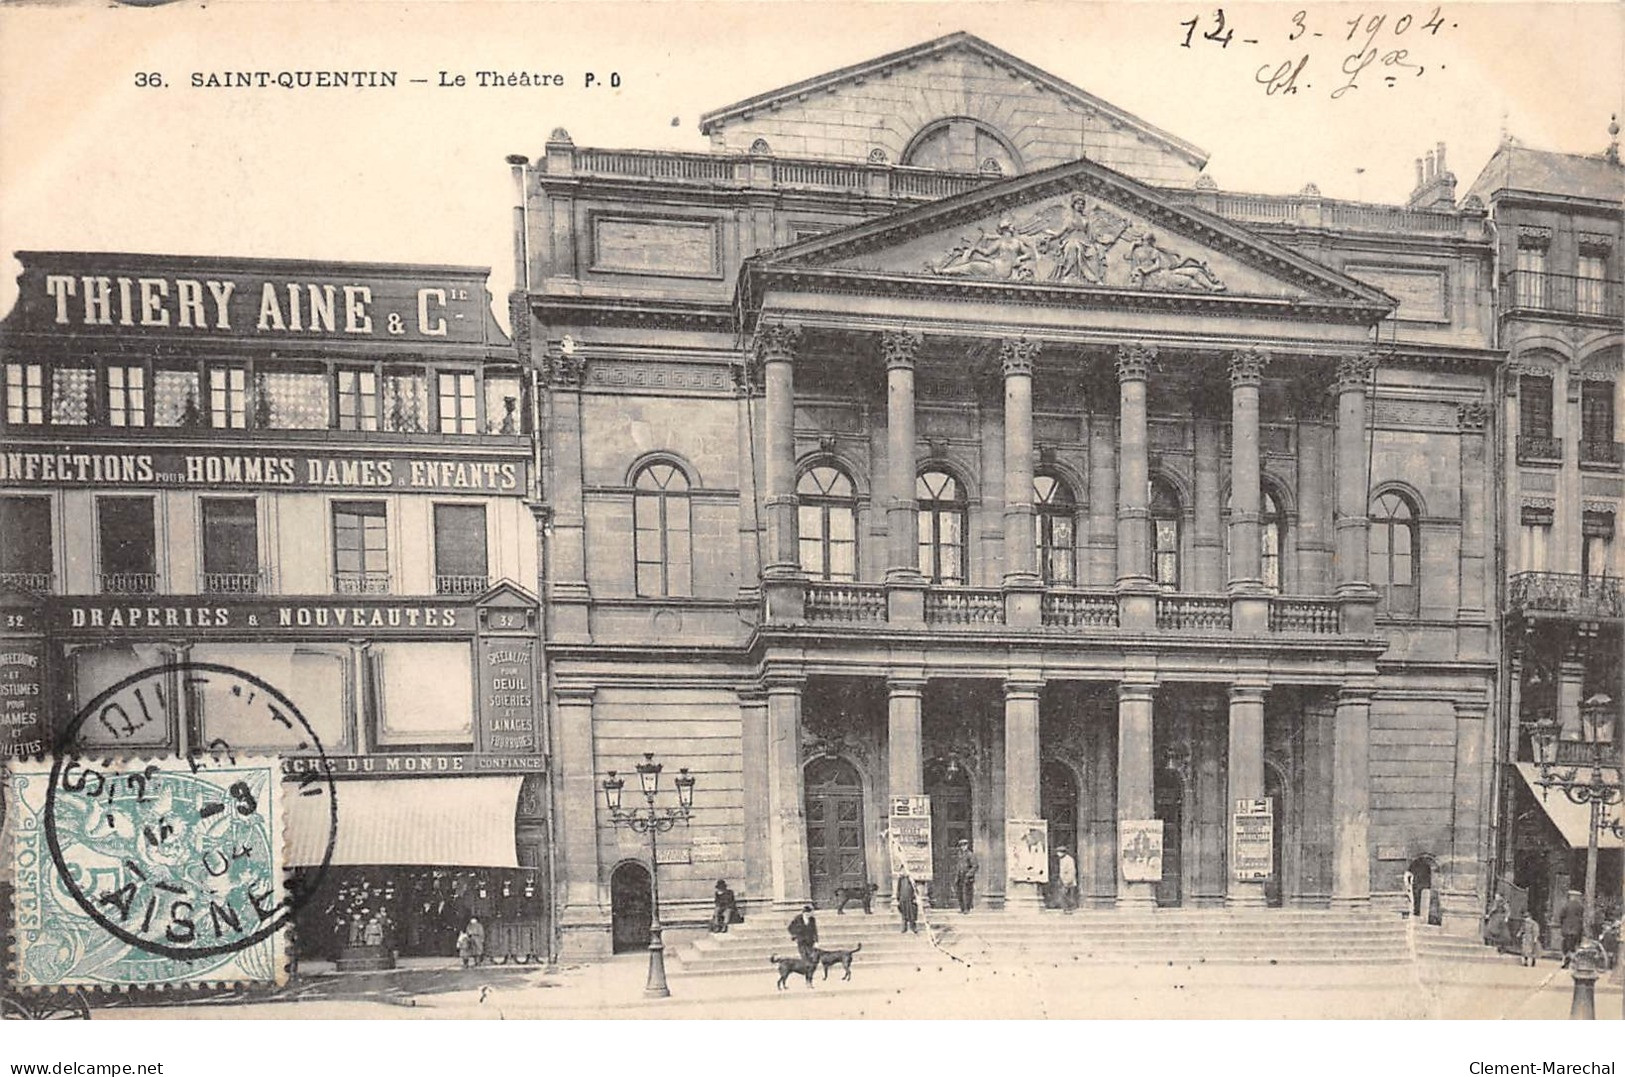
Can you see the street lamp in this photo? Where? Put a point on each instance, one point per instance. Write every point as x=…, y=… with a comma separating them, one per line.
x=1593, y=789
x=653, y=822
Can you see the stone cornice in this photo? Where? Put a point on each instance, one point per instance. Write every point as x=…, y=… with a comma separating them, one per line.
x=622, y=312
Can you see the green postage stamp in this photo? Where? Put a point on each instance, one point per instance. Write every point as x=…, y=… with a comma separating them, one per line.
x=145, y=872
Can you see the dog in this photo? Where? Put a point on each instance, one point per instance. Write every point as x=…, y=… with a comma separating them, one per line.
x=843, y=958
x=799, y=966
x=864, y=894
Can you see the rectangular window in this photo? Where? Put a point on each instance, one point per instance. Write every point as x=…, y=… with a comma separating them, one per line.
x=405, y=406
x=1535, y=538
x=25, y=393
x=25, y=553
x=460, y=562
x=457, y=409
x=73, y=396
x=1589, y=295
x=360, y=548
x=358, y=400
x=1597, y=551
x=502, y=400
x=231, y=545
x=175, y=399
x=228, y=398
x=1167, y=552
x=126, y=395
x=1532, y=277
x=1535, y=406
x=1596, y=411
x=294, y=400
x=423, y=694
x=129, y=547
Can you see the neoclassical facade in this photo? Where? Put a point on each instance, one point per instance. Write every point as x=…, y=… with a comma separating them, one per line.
x=945, y=431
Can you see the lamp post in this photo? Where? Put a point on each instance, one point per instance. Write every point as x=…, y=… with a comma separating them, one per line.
x=652, y=821
x=1594, y=790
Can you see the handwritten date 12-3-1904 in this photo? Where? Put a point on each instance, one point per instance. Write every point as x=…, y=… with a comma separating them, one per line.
x=1370, y=49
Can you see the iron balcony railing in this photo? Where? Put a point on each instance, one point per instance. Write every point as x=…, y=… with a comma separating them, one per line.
x=129, y=583
x=34, y=583
x=234, y=583
x=462, y=585
x=1534, y=447
x=361, y=583
x=1609, y=454
x=1565, y=594
x=1559, y=293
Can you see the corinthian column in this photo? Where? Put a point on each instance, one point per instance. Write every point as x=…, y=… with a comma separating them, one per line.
x=905, y=590
x=1353, y=471
x=782, y=577
x=1021, y=580
x=1250, y=611
x=1137, y=607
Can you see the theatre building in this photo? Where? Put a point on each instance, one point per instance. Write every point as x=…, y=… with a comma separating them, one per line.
x=318, y=474
x=945, y=430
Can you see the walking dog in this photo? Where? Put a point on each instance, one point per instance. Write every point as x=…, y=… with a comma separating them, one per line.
x=843, y=958
x=862, y=894
x=800, y=966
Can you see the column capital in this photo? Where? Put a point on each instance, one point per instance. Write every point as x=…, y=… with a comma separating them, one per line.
x=776, y=342
x=1136, y=691
x=751, y=695
x=566, y=366
x=904, y=685
x=1354, y=371
x=1134, y=361
x=574, y=695
x=748, y=375
x=1356, y=694
x=1016, y=355
x=1248, y=693
x=784, y=681
x=898, y=347
x=1022, y=688
x=1473, y=416
x=1247, y=367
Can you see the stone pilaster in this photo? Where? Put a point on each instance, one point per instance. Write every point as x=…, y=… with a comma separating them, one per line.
x=1351, y=798
x=786, y=795
x=569, y=621
x=753, y=740
x=582, y=916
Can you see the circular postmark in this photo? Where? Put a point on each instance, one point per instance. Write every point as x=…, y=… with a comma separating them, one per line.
x=177, y=857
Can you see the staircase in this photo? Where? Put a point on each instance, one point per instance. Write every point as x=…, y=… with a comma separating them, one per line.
x=1434, y=946
x=1103, y=937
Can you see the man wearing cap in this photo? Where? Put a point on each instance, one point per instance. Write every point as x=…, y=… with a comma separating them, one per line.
x=804, y=929
x=965, y=876
x=1066, y=874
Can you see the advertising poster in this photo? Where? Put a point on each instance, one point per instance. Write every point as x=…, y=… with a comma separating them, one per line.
x=910, y=829
x=1026, y=850
x=1140, y=841
x=1252, y=839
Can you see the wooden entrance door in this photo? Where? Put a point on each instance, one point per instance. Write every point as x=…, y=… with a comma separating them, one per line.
x=631, y=907
x=1170, y=808
x=949, y=790
x=835, y=845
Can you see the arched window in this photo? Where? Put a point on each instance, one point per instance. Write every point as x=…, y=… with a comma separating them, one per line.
x=827, y=522
x=660, y=516
x=1165, y=515
x=1055, y=529
x=941, y=527
x=1395, y=551
x=1271, y=529
x=961, y=144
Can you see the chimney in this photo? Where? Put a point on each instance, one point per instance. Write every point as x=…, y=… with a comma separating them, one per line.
x=1419, y=172
x=1435, y=186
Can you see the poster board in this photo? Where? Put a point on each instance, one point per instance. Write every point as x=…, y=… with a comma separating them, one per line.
x=1026, y=850
x=909, y=830
x=1252, y=840
x=1139, y=842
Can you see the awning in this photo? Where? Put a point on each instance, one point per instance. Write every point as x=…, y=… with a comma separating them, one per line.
x=1572, y=819
x=442, y=822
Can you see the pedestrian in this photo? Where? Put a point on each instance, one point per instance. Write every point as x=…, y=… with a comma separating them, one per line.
x=908, y=903
x=1571, y=922
x=1066, y=874
x=471, y=942
x=804, y=929
x=1530, y=938
x=725, y=908
x=965, y=867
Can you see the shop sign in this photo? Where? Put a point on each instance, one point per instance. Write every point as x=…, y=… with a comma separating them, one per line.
x=1252, y=840
x=141, y=466
x=1140, y=845
x=707, y=850
x=507, y=679
x=213, y=300
x=266, y=618
x=410, y=765
x=909, y=837
x=22, y=698
x=1026, y=850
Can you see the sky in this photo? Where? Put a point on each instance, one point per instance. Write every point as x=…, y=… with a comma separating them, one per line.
x=91, y=159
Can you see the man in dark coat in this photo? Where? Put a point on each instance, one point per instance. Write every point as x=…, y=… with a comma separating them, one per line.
x=965, y=867
x=1571, y=923
x=804, y=929
x=908, y=904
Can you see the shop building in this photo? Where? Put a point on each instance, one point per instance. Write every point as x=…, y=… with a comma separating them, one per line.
x=319, y=474
x=945, y=430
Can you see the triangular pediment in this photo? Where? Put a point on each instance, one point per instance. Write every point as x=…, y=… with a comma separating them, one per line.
x=1077, y=226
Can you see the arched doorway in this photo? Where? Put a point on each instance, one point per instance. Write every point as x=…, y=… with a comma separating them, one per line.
x=835, y=847
x=1275, y=790
x=1058, y=800
x=631, y=910
x=948, y=785
x=1170, y=808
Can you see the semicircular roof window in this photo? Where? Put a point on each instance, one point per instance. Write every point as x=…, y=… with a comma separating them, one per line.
x=962, y=145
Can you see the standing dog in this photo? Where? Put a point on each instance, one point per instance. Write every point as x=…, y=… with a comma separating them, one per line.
x=799, y=966
x=842, y=958
x=865, y=895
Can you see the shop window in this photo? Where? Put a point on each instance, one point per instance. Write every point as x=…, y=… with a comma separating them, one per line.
x=126, y=395
x=175, y=398
x=358, y=399
x=129, y=721
x=294, y=400
x=25, y=393
x=826, y=518
x=503, y=396
x=228, y=398
x=1055, y=530
x=1597, y=547
x=26, y=562
x=458, y=414
x=942, y=513
x=1395, y=554
x=1165, y=527
x=128, y=545
x=461, y=565
x=231, y=545
x=73, y=396
x=360, y=548
x=315, y=679
x=423, y=694
x=661, y=531
x=404, y=404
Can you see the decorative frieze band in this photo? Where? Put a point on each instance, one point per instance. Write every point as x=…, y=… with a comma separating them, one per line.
x=616, y=374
